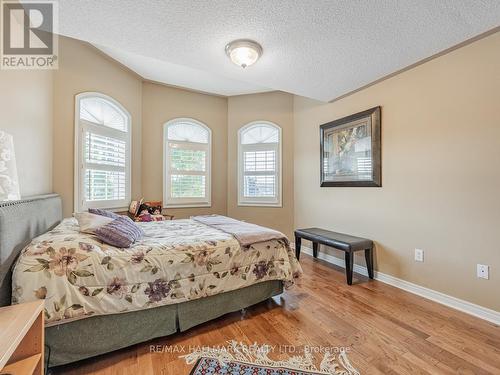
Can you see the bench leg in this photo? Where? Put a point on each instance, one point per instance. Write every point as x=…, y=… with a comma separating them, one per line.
x=349, y=263
x=369, y=262
x=315, y=249
x=298, y=242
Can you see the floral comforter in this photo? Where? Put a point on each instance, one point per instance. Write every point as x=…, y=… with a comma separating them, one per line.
x=179, y=260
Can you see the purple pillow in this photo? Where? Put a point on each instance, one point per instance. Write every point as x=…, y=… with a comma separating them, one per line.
x=106, y=213
x=121, y=232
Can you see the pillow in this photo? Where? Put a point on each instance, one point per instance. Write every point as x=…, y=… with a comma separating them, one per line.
x=90, y=222
x=133, y=209
x=121, y=232
x=106, y=213
x=145, y=217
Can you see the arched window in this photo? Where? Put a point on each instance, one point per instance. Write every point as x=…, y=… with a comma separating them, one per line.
x=186, y=160
x=102, y=152
x=259, y=164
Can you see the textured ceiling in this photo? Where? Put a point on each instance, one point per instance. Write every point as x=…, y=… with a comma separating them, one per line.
x=181, y=75
x=320, y=49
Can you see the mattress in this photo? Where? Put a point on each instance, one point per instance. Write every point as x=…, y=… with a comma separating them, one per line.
x=177, y=261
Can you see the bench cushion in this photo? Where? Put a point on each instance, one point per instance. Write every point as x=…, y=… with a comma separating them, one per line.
x=339, y=241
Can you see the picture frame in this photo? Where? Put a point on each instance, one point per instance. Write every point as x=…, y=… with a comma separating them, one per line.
x=350, y=150
x=133, y=209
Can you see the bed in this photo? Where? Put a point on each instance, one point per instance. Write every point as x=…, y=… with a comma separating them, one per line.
x=99, y=298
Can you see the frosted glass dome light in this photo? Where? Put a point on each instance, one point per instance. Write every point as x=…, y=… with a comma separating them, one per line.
x=244, y=52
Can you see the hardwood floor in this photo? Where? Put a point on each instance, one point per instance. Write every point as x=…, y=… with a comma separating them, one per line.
x=388, y=331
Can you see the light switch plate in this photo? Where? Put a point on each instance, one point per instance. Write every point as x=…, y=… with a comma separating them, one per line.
x=419, y=255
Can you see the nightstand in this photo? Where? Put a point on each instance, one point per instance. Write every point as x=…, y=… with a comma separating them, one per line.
x=22, y=343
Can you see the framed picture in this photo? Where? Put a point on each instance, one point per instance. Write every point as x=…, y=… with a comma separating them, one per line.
x=351, y=150
x=133, y=209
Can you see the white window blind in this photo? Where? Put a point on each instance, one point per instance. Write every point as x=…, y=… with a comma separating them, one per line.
x=187, y=149
x=102, y=170
x=99, y=110
x=259, y=166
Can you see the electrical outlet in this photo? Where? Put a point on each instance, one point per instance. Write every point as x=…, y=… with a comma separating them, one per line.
x=483, y=271
x=419, y=255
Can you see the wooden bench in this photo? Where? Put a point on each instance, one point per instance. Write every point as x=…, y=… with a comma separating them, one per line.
x=339, y=241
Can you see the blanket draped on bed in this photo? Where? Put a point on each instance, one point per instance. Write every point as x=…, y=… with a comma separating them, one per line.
x=246, y=233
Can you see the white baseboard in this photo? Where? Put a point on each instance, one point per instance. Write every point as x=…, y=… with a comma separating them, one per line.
x=444, y=299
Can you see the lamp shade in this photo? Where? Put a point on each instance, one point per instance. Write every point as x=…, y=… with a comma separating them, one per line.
x=244, y=52
x=9, y=183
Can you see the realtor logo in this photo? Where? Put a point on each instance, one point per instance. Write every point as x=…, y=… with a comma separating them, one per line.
x=29, y=39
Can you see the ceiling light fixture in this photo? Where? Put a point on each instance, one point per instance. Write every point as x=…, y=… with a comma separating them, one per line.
x=244, y=52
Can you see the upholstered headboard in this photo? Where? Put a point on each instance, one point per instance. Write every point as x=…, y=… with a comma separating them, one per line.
x=20, y=221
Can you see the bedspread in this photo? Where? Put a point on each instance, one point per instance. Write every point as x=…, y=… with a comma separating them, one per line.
x=180, y=260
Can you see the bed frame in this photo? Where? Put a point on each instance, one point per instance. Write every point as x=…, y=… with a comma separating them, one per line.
x=22, y=220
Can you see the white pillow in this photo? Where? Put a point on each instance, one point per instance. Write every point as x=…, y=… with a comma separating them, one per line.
x=90, y=222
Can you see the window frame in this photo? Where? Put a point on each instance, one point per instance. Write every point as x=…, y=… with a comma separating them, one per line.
x=187, y=202
x=260, y=201
x=80, y=165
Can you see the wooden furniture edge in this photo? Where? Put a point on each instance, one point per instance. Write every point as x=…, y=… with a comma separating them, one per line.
x=23, y=366
x=17, y=337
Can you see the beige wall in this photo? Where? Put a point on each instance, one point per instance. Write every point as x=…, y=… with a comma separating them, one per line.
x=441, y=147
x=276, y=107
x=26, y=113
x=161, y=104
x=440, y=159
x=82, y=68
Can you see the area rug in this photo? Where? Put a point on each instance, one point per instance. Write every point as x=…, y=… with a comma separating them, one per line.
x=240, y=359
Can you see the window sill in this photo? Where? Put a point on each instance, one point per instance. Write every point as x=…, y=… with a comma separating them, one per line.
x=259, y=204
x=119, y=209
x=189, y=205
x=112, y=209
